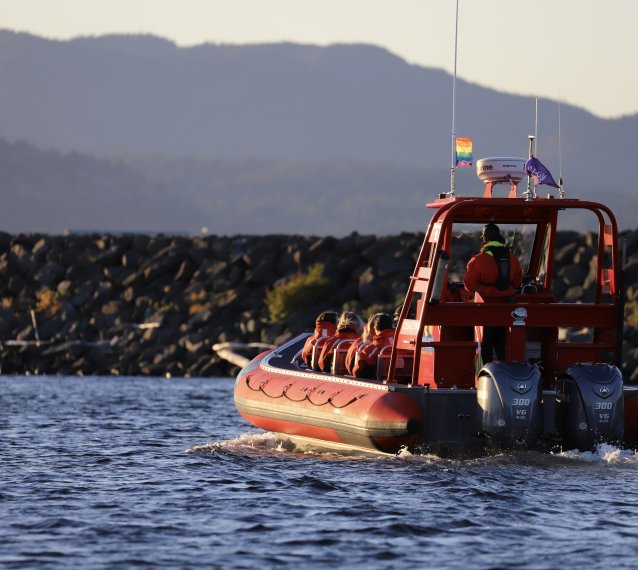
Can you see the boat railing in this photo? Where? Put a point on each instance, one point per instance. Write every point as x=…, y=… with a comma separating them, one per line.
x=403, y=367
x=522, y=314
x=296, y=359
x=445, y=345
x=339, y=356
x=314, y=358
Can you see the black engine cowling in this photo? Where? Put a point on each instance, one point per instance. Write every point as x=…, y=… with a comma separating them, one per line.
x=589, y=405
x=510, y=397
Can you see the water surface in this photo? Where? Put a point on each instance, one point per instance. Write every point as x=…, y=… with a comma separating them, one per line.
x=154, y=473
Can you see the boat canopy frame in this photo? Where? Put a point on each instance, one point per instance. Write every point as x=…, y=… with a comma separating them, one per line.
x=438, y=330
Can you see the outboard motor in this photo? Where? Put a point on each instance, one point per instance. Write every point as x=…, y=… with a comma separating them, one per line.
x=590, y=405
x=510, y=395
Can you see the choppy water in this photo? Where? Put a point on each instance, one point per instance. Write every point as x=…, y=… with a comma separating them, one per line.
x=135, y=473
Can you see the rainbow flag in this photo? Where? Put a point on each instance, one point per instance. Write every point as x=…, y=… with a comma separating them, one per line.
x=464, y=151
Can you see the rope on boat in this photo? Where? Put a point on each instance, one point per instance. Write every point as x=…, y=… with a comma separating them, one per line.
x=307, y=396
x=261, y=389
x=346, y=404
x=285, y=393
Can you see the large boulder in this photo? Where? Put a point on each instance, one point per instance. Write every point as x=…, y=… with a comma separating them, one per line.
x=573, y=275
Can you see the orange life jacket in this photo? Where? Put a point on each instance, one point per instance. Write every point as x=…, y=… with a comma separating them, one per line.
x=323, y=330
x=366, y=362
x=482, y=274
x=327, y=353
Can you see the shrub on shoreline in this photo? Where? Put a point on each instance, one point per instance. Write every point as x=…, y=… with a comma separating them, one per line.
x=296, y=293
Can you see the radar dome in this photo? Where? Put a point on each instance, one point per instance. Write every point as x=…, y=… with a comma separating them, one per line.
x=501, y=169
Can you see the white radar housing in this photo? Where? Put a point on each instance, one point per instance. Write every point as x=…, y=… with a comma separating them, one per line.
x=501, y=169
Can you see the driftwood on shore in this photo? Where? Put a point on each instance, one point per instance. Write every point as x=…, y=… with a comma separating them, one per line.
x=157, y=305
x=234, y=352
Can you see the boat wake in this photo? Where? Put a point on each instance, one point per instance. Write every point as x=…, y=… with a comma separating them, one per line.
x=271, y=444
x=604, y=453
x=248, y=443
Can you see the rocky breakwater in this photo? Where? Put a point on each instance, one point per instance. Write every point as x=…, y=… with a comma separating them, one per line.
x=155, y=305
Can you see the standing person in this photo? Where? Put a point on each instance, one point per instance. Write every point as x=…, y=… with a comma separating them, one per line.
x=382, y=335
x=350, y=326
x=493, y=272
x=325, y=327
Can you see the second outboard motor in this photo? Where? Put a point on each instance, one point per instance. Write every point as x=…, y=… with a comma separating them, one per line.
x=590, y=405
x=510, y=396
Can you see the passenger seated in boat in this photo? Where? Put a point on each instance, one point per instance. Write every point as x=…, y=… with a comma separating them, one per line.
x=325, y=327
x=357, y=345
x=397, y=314
x=494, y=272
x=350, y=326
x=382, y=335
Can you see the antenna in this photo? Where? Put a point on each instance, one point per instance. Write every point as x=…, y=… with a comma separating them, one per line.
x=561, y=191
x=533, y=149
x=453, y=161
x=536, y=124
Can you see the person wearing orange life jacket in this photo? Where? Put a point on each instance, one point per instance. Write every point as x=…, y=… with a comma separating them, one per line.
x=357, y=345
x=494, y=272
x=382, y=335
x=325, y=327
x=349, y=326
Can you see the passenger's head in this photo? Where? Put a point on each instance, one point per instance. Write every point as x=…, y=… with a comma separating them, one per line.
x=381, y=322
x=367, y=328
x=397, y=314
x=350, y=320
x=491, y=232
x=327, y=317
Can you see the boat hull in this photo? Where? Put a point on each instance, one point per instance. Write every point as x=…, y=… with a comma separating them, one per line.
x=342, y=411
x=275, y=394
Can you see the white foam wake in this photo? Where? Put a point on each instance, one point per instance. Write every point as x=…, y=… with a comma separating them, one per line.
x=265, y=443
x=262, y=441
x=604, y=453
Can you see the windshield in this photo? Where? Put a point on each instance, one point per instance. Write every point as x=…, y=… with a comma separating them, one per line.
x=466, y=242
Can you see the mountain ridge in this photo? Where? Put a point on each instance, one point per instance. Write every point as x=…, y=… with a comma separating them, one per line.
x=127, y=99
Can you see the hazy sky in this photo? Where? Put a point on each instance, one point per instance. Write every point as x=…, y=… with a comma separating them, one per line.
x=577, y=51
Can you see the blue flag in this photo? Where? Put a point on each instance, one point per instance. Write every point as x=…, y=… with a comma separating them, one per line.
x=541, y=175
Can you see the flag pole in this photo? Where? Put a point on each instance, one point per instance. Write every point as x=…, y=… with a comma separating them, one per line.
x=528, y=192
x=453, y=160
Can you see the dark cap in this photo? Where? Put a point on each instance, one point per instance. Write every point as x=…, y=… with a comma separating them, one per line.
x=491, y=232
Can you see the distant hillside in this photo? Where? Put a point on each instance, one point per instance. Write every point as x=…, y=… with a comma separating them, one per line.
x=269, y=137
x=54, y=192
